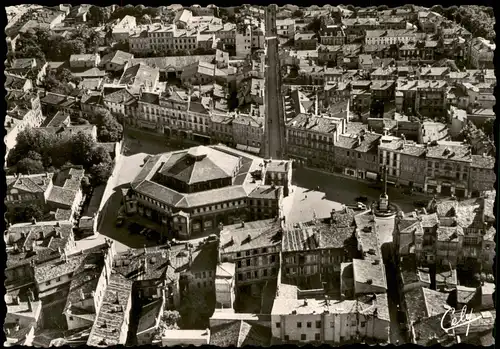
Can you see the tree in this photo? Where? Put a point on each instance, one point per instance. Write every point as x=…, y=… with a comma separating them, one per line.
x=170, y=319
x=100, y=173
x=298, y=13
x=30, y=166
x=81, y=149
x=450, y=12
x=99, y=14
x=25, y=213
x=382, y=8
x=438, y=9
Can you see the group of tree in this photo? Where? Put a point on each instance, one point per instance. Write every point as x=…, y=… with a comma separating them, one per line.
x=169, y=320
x=140, y=12
x=45, y=45
x=479, y=20
x=39, y=151
x=61, y=81
x=25, y=213
x=108, y=127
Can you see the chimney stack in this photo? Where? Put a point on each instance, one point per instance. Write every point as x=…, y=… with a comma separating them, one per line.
x=82, y=294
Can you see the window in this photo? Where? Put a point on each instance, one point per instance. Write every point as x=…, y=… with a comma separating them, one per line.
x=278, y=325
x=309, y=324
x=247, y=253
x=317, y=336
x=71, y=318
x=363, y=323
x=248, y=262
x=318, y=324
x=265, y=270
x=303, y=337
x=238, y=254
x=58, y=279
x=332, y=324
x=299, y=324
x=287, y=337
x=47, y=283
x=264, y=250
x=240, y=276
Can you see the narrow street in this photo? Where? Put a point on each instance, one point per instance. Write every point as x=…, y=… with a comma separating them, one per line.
x=396, y=335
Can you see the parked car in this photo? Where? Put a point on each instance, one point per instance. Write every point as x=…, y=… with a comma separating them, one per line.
x=212, y=237
x=361, y=206
x=134, y=228
x=420, y=203
x=119, y=221
x=362, y=199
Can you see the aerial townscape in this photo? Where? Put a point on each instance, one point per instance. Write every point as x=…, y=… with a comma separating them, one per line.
x=250, y=175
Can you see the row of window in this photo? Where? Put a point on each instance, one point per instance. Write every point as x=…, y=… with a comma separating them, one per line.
x=203, y=275
x=319, y=323
x=254, y=252
x=255, y=274
x=255, y=262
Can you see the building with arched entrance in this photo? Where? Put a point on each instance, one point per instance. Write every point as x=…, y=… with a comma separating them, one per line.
x=195, y=191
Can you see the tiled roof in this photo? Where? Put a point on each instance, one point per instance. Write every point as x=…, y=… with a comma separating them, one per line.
x=62, y=196
x=449, y=234
x=435, y=302
x=262, y=233
x=107, y=327
x=429, y=220
x=58, y=119
x=41, y=242
x=50, y=271
x=363, y=305
x=480, y=161
x=199, y=164
x=37, y=183
x=134, y=264
x=14, y=82
x=366, y=270
x=70, y=130
x=86, y=275
x=139, y=74
x=311, y=236
x=265, y=192
x=120, y=97
x=313, y=123
x=240, y=333
x=447, y=277
x=118, y=57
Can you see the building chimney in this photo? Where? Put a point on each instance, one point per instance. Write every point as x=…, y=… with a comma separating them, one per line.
x=82, y=294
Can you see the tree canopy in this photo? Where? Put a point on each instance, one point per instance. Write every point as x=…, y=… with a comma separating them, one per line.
x=38, y=151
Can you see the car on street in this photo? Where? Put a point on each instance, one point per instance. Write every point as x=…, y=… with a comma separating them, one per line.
x=420, y=203
x=362, y=199
x=119, y=221
x=361, y=206
x=134, y=228
x=212, y=237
